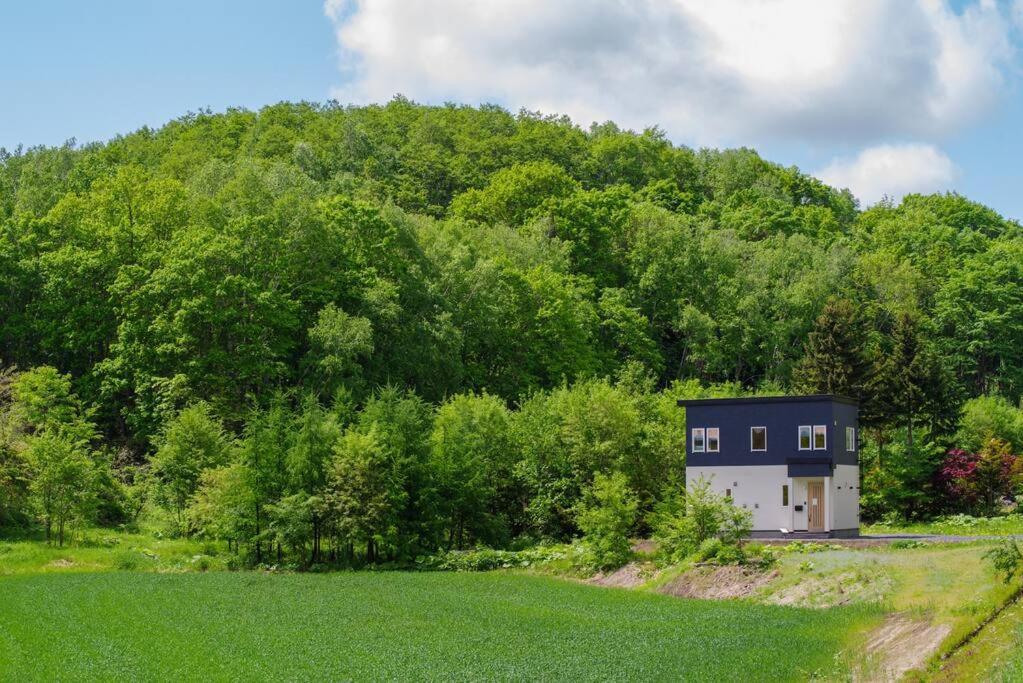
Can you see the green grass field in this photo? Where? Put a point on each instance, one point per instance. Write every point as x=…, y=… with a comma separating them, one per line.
x=391, y=625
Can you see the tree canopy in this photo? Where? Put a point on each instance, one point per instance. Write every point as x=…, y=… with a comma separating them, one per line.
x=400, y=322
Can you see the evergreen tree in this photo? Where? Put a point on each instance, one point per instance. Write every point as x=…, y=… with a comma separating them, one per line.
x=835, y=360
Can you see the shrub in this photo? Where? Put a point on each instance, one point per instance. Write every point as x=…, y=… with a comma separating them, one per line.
x=990, y=417
x=709, y=549
x=759, y=555
x=978, y=481
x=731, y=554
x=606, y=517
x=682, y=524
x=1007, y=559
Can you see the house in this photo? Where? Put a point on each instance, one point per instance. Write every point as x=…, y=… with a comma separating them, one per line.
x=792, y=461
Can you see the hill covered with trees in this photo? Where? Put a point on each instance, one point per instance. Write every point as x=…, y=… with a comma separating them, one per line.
x=396, y=328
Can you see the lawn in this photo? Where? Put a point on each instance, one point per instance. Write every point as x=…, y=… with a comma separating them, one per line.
x=394, y=625
x=953, y=525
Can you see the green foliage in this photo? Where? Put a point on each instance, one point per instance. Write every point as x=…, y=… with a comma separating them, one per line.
x=362, y=499
x=488, y=559
x=899, y=479
x=283, y=267
x=835, y=361
x=63, y=481
x=606, y=517
x=683, y=523
x=472, y=458
x=514, y=193
x=1007, y=559
x=193, y=442
x=989, y=417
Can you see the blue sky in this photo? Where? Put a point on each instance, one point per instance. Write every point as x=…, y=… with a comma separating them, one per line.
x=885, y=97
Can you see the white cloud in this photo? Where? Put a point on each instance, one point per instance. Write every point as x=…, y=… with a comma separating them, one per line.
x=708, y=71
x=892, y=170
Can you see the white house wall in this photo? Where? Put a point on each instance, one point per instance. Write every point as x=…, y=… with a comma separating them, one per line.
x=845, y=495
x=757, y=488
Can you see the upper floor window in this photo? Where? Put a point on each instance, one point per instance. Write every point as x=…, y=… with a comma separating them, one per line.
x=850, y=438
x=758, y=438
x=804, y=437
x=698, y=439
x=713, y=439
x=820, y=437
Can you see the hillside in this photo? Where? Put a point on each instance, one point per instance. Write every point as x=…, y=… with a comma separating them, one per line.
x=319, y=272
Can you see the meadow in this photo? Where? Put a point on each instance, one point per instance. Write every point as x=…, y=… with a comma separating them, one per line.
x=396, y=625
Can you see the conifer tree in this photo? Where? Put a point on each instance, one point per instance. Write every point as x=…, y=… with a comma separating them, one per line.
x=834, y=360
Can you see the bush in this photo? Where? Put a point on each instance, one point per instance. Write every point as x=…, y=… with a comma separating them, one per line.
x=606, y=517
x=990, y=417
x=978, y=482
x=709, y=549
x=731, y=554
x=683, y=523
x=1007, y=559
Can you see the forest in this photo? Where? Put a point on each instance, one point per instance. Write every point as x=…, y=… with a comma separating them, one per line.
x=362, y=334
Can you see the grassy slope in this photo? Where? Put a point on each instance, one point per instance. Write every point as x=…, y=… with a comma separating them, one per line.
x=996, y=654
x=942, y=584
x=951, y=584
x=397, y=625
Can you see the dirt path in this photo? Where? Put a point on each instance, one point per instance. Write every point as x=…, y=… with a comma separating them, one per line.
x=901, y=644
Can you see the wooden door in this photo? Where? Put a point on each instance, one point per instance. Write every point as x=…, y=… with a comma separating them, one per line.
x=815, y=503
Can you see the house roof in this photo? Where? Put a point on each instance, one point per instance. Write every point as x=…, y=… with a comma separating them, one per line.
x=813, y=398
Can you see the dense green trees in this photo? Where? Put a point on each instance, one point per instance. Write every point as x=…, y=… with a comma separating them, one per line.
x=231, y=295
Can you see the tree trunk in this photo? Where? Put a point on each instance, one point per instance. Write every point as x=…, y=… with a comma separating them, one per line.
x=259, y=544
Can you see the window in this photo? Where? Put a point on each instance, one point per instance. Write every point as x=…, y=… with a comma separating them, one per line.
x=728, y=493
x=758, y=438
x=820, y=437
x=784, y=495
x=804, y=437
x=850, y=438
x=713, y=440
x=698, y=433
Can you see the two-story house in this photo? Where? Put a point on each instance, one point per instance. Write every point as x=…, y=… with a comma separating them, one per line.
x=793, y=461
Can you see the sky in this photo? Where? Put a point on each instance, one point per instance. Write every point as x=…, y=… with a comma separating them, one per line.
x=884, y=97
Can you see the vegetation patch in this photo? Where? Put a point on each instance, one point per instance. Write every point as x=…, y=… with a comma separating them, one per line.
x=952, y=525
x=399, y=626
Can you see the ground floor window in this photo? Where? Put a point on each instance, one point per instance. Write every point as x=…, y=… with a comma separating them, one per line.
x=784, y=495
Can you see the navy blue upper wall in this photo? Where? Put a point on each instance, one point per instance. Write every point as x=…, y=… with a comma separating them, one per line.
x=782, y=416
